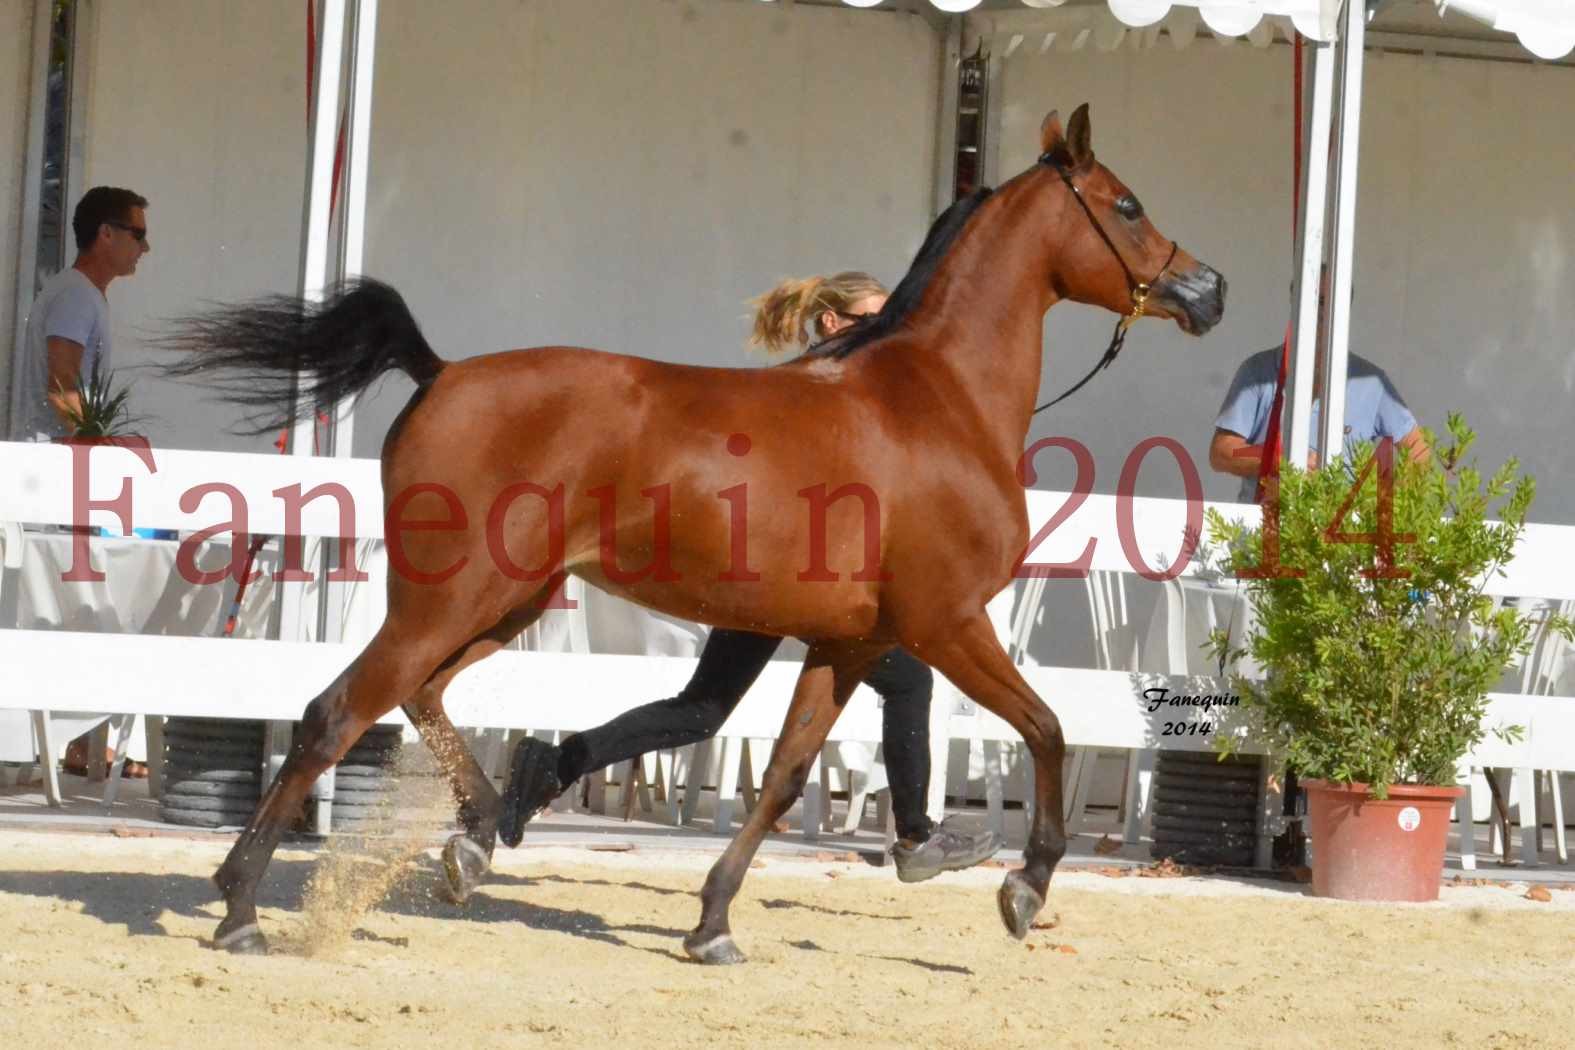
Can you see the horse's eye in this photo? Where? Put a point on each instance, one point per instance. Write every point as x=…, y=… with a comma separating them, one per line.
x=1129, y=208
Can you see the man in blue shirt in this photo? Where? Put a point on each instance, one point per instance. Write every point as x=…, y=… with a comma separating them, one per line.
x=1373, y=410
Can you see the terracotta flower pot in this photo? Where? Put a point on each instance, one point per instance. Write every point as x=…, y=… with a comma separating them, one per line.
x=1370, y=850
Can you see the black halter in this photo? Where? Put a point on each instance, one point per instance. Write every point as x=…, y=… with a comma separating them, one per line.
x=1139, y=290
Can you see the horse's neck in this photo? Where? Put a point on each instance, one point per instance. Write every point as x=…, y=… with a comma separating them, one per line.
x=980, y=324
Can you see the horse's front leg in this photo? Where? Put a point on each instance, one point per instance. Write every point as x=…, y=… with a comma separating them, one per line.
x=972, y=658
x=831, y=672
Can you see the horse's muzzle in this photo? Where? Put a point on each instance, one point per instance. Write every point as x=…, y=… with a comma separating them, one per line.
x=1197, y=298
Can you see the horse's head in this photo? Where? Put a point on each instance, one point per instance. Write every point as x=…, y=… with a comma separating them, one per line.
x=1109, y=253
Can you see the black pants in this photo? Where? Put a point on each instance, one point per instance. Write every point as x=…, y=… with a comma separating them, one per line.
x=729, y=665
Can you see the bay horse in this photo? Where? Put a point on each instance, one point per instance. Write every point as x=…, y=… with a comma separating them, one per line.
x=506, y=472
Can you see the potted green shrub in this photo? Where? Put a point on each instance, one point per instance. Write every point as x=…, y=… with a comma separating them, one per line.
x=1378, y=647
x=101, y=413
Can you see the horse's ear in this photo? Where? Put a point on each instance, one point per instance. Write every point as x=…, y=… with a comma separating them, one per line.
x=1079, y=137
x=1051, y=137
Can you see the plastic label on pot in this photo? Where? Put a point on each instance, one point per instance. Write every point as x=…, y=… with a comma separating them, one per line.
x=1410, y=819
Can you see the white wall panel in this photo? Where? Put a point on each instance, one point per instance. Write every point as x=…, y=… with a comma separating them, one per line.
x=625, y=175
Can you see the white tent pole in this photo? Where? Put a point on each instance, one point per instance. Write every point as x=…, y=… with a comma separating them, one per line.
x=1353, y=31
x=341, y=432
x=319, y=186
x=364, y=18
x=297, y=622
x=1315, y=193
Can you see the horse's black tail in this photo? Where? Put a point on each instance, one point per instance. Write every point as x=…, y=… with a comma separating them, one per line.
x=259, y=355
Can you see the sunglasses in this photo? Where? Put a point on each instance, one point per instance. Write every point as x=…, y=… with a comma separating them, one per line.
x=139, y=232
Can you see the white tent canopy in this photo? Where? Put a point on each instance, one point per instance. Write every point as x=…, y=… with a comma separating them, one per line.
x=1545, y=28
x=1312, y=18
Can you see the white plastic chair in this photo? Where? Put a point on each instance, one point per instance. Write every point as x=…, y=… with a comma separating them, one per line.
x=1115, y=649
x=1538, y=677
x=49, y=730
x=744, y=760
x=10, y=547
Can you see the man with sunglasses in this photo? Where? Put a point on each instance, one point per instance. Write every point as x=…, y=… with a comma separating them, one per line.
x=68, y=341
x=68, y=334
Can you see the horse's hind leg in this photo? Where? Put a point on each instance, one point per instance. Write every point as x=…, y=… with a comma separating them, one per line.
x=972, y=658
x=467, y=856
x=831, y=673
x=391, y=667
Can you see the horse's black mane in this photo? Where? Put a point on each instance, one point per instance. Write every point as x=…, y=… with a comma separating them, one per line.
x=911, y=288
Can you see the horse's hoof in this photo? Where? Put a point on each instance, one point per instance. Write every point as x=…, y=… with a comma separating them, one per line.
x=464, y=863
x=248, y=940
x=714, y=951
x=1019, y=903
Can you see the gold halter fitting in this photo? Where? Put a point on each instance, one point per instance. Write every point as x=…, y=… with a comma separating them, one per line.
x=1140, y=293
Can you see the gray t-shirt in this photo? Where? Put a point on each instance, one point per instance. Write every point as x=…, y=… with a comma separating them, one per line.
x=69, y=307
x=1373, y=408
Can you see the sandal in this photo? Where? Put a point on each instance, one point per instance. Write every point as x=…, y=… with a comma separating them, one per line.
x=75, y=763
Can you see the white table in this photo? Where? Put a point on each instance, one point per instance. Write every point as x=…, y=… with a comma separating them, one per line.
x=142, y=592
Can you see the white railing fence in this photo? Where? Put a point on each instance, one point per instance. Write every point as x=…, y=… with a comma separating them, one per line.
x=188, y=491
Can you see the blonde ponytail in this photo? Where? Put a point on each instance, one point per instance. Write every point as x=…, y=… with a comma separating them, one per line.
x=784, y=314
x=781, y=314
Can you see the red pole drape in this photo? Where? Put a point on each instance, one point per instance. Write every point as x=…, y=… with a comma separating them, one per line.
x=1269, y=466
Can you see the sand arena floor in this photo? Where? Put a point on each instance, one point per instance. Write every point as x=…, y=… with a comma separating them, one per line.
x=102, y=938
